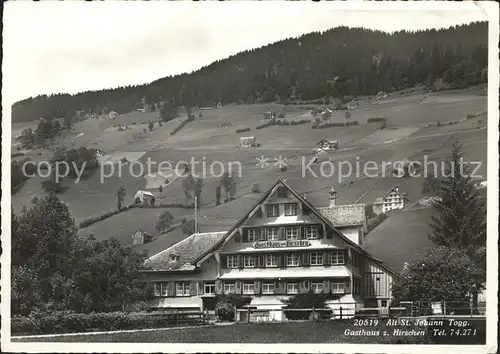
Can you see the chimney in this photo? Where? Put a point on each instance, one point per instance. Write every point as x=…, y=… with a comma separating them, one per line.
x=333, y=197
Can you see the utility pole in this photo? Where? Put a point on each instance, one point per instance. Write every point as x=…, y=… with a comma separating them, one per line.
x=195, y=214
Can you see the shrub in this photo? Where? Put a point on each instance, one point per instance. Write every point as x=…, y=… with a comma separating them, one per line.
x=182, y=124
x=69, y=322
x=255, y=187
x=241, y=130
x=175, y=205
x=383, y=125
x=306, y=301
x=217, y=195
x=92, y=220
x=299, y=122
x=377, y=119
x=334, y=124
x=281, y=114
x=224, y=311
x=375, y=221
x=225, y=304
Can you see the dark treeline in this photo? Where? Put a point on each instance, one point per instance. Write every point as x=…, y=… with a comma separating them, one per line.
x=339, y=62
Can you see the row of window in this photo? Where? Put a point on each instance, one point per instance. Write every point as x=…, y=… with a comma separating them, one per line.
x=181, y=289
x=291, y=259
x=248, y=288
x=273, y=210
x=291, y=288
x=272, y=233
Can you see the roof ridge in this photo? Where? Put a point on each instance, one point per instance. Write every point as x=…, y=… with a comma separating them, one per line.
x=182, y=241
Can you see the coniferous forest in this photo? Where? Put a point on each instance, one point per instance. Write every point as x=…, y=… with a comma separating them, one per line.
x=337, y=63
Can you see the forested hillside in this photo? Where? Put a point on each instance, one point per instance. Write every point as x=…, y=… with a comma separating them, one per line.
x=339, y=62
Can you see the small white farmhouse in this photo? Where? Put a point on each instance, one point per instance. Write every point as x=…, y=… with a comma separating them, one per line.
x=142, y=197
x=392, y=200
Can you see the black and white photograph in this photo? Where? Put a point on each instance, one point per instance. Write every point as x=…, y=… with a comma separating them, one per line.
x=250, y=176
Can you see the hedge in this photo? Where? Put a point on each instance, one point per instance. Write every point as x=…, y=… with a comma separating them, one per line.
x=334, y=124
x=175, y=205
x=298, y=122
x=275, y=122
x=241, y=130
x=92, y=220
x=190, y=118
x=377, y=119
x=69, y=322
x=375, y=221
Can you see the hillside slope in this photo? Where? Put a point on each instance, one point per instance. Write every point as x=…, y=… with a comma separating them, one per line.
x=338, y=62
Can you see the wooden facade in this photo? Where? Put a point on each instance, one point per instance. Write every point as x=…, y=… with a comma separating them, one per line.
x=282, y=247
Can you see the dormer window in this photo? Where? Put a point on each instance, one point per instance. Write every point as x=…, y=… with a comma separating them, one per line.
x=290, y=209
x=273, y=210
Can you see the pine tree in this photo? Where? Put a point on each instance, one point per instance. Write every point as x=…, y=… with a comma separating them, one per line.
x=461, y=219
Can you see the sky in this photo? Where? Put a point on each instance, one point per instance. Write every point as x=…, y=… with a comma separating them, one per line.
x=74, y=46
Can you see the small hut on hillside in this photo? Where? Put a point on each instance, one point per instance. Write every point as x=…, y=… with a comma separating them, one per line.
x=144, y=197
x=248, y=141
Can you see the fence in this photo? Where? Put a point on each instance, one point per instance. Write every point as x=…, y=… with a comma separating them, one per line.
x=277, y=314
x=178, y=317
x=347, y=311
x=444, y=308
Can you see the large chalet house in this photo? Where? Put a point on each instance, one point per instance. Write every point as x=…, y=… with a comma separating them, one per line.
x=392, y=200
x=282, y=246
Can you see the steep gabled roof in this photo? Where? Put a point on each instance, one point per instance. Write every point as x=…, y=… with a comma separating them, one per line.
x=393, y=189
x=182, y=255
x=267, y=194
x=345, y=215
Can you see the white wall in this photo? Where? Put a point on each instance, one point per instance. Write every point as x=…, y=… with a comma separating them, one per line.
x=351, y=232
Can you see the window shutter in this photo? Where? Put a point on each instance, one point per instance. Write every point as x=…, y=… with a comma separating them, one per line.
x=262, y=258
x=201, y=288
x=170, y=289
x=263, y=236
x=347, y=287
x=281, y=260
x=237, y=236
x=305, y=258
x=257, y=287
x=321, y=230
x=307, y=284
x=237, y=285
x=218, y=287
x=279, y=287
x=240, y=261
x=302, y=232
x=301, y=287
x=223, y=261
x=282, y=235
x=326, y=258
x=193, y=288
x=347, y=260
x=326, y=286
